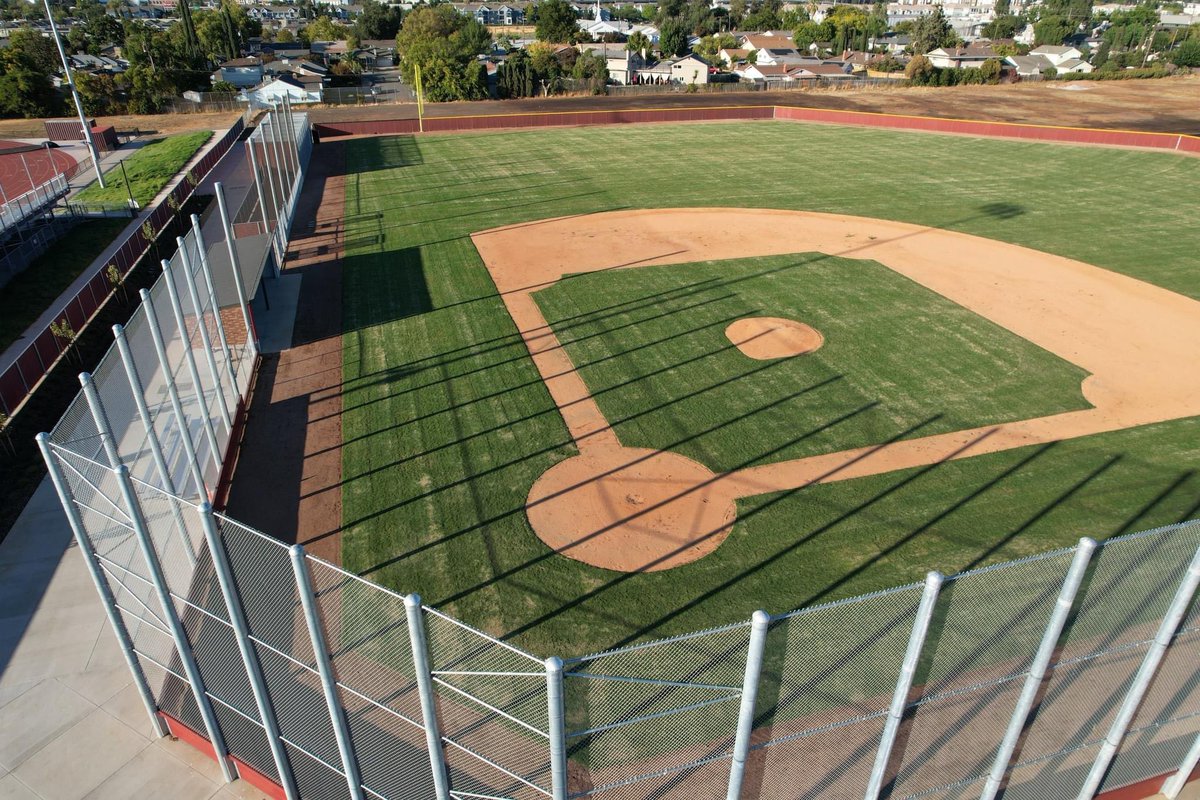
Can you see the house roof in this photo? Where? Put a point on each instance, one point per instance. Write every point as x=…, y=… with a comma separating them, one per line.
x=242, y=62
x=1051, y=50
x=973, y=51
x=1071, y=63
x=821, y=69
x=774, y=42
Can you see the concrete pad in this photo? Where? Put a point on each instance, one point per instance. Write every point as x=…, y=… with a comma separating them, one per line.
x=11, y=690
x=275, y=326
x=240, y=790
x=126, y=705
x=187, y=756
x=13, y=789
x=98, y=685
x=153, y=773
x=32, y=720
x=95, y=748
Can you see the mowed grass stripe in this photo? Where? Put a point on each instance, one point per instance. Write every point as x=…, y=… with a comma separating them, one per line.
x=447, y=424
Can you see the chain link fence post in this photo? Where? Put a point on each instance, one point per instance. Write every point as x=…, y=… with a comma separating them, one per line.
x=745, y=725
x=424, y=678
x=341, y=732
x=181, y=421
x=1041, y=662
x=908, y=669
x=156, y=452
x=63, y=489
x=236, y=265
x=1174, y=784
x=100, y=418
x=241, y=631
x=210, y=290
x=178, y=633
x=202, y=326
x=1141, y=680
x=557, y=728
x=189, y=360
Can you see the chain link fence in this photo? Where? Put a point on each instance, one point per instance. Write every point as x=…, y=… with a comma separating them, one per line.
x=1060, y=675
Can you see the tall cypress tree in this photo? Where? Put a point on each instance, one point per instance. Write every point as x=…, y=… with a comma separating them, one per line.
x=191, y=42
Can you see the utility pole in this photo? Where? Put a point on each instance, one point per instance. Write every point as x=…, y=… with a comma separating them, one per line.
x=87, y=130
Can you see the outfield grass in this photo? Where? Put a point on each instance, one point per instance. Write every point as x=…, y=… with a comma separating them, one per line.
x=899, y=360
x=25, y=297
x=149, y=169
x=447, y=424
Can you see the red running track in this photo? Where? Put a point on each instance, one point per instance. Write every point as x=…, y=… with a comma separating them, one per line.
x=43, y=165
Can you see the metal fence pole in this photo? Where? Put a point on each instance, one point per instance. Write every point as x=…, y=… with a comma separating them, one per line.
x=424, y=678
x=241, y=631
x=105, y=591
x=181, y=421
x=557, y=728
x=341, y=731
x=189, y=360
x=100, y=418
x=745, y=725
x=281, y=175
x=1174, y=784
x=281, y=142
x=916, y=640
x=1037, y=669
x=210, y=289
x=270, y=181
x=1141, y=681
x=160, y=461
x=202, y=326
x=236, y=266
x=262, y=200
x=291, y=123
x=178, y=633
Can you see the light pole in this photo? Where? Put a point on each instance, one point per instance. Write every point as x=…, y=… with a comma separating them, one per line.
x=87, y=131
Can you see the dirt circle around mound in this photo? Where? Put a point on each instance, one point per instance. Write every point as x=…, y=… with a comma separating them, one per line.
x=766, y=338
x=631, y=509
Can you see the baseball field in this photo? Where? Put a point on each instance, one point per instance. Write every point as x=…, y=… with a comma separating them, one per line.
x=993, y=357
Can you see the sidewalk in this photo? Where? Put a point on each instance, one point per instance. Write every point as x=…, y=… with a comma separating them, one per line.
x=53, y=311
x=71, y=722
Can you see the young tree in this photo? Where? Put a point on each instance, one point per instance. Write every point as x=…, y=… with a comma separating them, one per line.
x=1052, y=29
x=919, y=70
x=63, y=331
x=556, y=22
x=1186, y=54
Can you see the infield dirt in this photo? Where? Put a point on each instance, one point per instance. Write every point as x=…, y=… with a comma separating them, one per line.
x=1134, y=339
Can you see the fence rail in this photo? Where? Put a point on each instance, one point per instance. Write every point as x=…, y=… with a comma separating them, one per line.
x=1055, y=676
x=26, y=372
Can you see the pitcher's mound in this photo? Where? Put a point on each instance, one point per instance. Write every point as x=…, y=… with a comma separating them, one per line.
x=772, y=337
x=631, y=509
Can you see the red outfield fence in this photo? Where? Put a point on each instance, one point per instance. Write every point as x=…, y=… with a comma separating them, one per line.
x=1008, y=130
x=23, y=376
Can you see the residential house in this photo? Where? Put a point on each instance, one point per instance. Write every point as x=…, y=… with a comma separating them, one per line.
x=623, y=66
x=970, y=55
x=1035, y=65
x=731, y=56
x=298, y=89
x=683, y=70
x=894, y=43
x=377, y=53
x=241, y=72
x=1057, y=55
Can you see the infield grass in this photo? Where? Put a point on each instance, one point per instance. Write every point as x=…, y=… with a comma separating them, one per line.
x=898, y=361
x=446, y=422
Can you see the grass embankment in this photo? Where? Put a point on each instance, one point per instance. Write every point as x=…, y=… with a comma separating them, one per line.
x=447, y=424
x=30, y=293
x=149, y=169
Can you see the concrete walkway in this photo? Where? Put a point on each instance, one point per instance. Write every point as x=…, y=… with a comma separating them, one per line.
x=71, y=723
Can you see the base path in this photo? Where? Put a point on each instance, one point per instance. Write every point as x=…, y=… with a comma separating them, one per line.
x=1134, y=338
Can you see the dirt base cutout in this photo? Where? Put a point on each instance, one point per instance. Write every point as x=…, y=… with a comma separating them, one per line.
x=632, y=509
x=766, y=338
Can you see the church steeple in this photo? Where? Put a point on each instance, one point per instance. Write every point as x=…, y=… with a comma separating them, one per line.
x=598, y=19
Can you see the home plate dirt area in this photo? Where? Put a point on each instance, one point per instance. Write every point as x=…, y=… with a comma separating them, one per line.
x=635, y=509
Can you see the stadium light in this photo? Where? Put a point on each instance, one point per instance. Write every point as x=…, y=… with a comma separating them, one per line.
x=87, y=130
